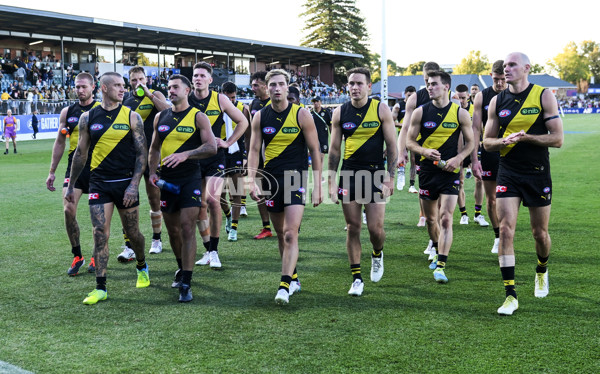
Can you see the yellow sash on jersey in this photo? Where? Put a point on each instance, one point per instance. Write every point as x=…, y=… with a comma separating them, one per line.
x=240, y=107
x=111, y=137
x=145, y=108
x=184, y=130
x=528, y=114
x=74, y=137
x=286, y=135
x=448, y=126
x=365, y=130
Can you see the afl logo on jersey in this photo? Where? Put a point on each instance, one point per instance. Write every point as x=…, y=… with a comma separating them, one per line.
x=429, y=125
x=504, y=113
x=73, y=119
x=349, y=126
x=269, y=130
x=163, y=128
x=96, y=127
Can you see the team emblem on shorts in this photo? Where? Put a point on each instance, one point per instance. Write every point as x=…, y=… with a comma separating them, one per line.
x=349, y=126
x=94, y=196
x=429, y=125
x=73, y=119
x=163, y=128
x=342, y=191
x=269, y=130
x=301, y=190
x=486, y=173
x=504, y=113
x=163, y=204
x=67, y=180
x=270, y=203
x=221, y=166
x=547, y=189
x=197, y=192
x=423, y=192
x=501, y=189
x=238, y=162
x=96, y=127
x=457, y=181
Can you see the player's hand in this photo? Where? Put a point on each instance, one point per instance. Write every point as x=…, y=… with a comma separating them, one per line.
x=387, y=188
x=50, y=182
x=146, y=90
x=153, y=178
x=254, y=191
x=221, y=143
x=452, y=164
x=333, y=192
x=513, y=138
x=477, y=170
x=131, y=195
x=317, y=194
x=432, y=154
x=174, y=159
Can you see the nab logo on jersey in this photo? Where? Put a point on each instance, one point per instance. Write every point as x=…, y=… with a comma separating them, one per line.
x=269, y=130
x=96, y=127
x=290, y=130
x=501, y=189
x=349, y=126
x=530, y=111
x=73, y=119
x=504, y=113
x=429, y=125
x=212, y=112
x=163, y=128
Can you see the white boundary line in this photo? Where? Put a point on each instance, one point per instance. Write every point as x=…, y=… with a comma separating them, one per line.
x=6, y=368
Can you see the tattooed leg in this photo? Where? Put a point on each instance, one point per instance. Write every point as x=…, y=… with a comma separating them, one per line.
x=70, y=210
x=131, y=225
x=101, y=215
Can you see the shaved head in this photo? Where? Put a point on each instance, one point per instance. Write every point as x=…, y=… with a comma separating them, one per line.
x=522, y=57
x=108, y=78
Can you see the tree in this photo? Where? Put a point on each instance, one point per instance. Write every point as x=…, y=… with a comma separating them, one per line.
x=392, y=68
x=337, y=25
x=416, y=68
x=572, y=65
x=537, y=69
x=591, y=50
x=474, y=63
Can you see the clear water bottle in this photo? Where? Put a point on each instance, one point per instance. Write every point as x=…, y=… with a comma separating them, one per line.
x=166, y=186
x=442, y=163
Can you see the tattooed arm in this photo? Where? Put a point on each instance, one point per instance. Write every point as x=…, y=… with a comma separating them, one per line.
x=154, y=153
x=141, y=158
x=80, y=156
x=389, y=136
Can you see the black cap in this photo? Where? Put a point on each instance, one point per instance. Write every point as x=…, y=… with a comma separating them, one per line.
x=316, y=98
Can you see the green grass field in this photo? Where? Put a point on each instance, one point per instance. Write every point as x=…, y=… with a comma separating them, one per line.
x=405, y=323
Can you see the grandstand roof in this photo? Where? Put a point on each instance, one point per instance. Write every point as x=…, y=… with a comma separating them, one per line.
x=23, y=22
x=397, y=84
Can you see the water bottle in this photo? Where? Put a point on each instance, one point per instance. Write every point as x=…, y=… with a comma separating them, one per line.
x=140, y=91
x=442, y=163
x=166, y=186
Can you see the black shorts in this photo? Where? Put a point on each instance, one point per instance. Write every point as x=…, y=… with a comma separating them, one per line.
x=189, y=196
x=534, y=189
x=213, y=166
x=234, y=163
x=417, y=158
x=284, y=190
x=362, y=186
x=432, y=184
x=466, y=162
x=102, y=192
x=83, y=182
x=489, y=165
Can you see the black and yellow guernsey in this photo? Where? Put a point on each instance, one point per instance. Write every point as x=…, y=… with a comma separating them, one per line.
x=363, y=136
x=284, y=144
x=146, y=109
x=257, y=104
x=439, y=130
x=240, y=106
x=113, y=152
x=523, y=111
x=211, y=107
x=178, y=133
x=74, y=112
x=486, y=96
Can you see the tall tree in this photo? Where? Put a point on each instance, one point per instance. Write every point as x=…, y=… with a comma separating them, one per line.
x=474, y=63
x=416, y=68
x=572, y=65
x=336, y=25
x=591, y=50
x=392, y=68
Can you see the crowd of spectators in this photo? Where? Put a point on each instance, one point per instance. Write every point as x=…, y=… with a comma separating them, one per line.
x=576, y=102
